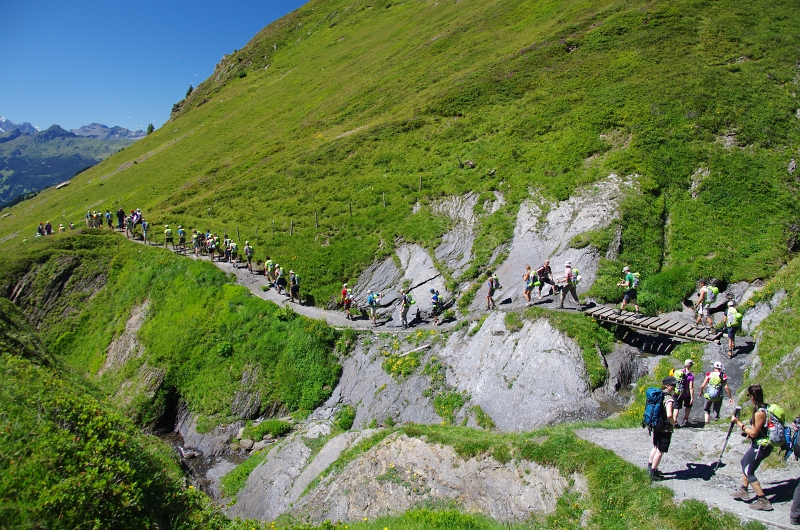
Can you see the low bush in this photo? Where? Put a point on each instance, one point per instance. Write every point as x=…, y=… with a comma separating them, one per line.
x=275, y=428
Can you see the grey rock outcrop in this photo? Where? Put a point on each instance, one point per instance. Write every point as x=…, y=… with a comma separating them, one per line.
x=455, y=250
x=417, y=271
x=401, y=472
x=755, y=315
x=126, y=345
x=266, y=492
x=539, y=236
x=376, y=395
x=212, y=443
x=247, y=401
x=522, y=380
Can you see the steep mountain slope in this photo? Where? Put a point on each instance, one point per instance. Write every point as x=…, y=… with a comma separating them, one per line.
x=341, y=105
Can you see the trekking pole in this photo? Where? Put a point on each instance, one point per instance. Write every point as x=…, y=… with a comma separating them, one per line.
x=730, y=429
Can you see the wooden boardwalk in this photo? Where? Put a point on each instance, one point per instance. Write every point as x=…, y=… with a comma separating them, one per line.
x=663, y=326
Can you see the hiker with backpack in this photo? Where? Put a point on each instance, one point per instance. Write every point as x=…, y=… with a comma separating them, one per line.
x=181, y=237
x=374, y=302
x=294, y=286
x=269, y=268
x=659, y=418
x=766, y=431
x=715, y=382
x=631, y=283
x=703, y=304
x=168, y=238
x=733, y=320
x=248, y=254
x=684, y=391
x=528, y=279
x=437, y=304
x=491, y=286
x=405, y=305
x=544, y=275
x=570, y=281
x=347, y=301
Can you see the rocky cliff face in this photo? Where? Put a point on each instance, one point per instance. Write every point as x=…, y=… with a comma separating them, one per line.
x=394, y=476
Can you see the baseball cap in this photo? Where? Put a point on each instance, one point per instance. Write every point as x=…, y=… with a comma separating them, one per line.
x=688, y=362
x=568, y=264
x=626, y=268
x=669, y=380
x=718, y=365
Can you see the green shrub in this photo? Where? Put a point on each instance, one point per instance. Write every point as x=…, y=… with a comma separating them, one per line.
x=276, y=428
x=478, y=323
x=447, y=405
x=345, y=417
x=513, y=322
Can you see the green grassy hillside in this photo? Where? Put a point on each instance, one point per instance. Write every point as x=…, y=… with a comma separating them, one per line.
x=207, y=340
x=76, y=462
x=342, y=103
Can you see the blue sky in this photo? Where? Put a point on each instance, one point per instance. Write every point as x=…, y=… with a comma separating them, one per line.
x=74, y=62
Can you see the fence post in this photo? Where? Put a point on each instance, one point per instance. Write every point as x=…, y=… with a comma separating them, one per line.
x=384, y=199
x=420, y=183
x=273, y=228
x=350, y=205
x=291, y=226
x=316, y=221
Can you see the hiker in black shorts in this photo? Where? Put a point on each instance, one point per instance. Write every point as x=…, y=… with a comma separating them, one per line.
x=545, y=275
x=684, y=394
x=760, y=448
x=663, y=437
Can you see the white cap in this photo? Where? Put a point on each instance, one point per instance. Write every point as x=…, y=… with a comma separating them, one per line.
x=688, y=362
x=626, y=268
x=718, y=365
x=568, y=264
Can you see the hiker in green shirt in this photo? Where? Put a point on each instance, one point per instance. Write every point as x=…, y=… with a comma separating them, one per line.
x=631, y=282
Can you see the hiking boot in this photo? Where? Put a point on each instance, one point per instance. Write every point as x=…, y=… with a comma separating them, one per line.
x=685, y=423
x=761, y=503
x=656, y=475
x=741, y=494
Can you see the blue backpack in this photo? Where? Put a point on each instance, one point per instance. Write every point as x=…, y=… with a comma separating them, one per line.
x=655, y=414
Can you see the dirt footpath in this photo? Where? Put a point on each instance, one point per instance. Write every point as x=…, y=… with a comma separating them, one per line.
x=688, y=468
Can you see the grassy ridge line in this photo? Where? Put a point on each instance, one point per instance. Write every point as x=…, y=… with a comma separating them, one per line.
x=210, y=339
x=552, y=96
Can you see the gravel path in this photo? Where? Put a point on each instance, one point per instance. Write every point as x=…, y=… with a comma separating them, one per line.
x=688, y=468
x=254, y=281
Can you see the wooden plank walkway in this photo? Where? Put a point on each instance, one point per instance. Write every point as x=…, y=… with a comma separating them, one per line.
x=663, y=326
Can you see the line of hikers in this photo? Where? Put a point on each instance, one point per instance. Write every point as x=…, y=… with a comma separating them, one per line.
x=768, y=429
x=374, y=299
